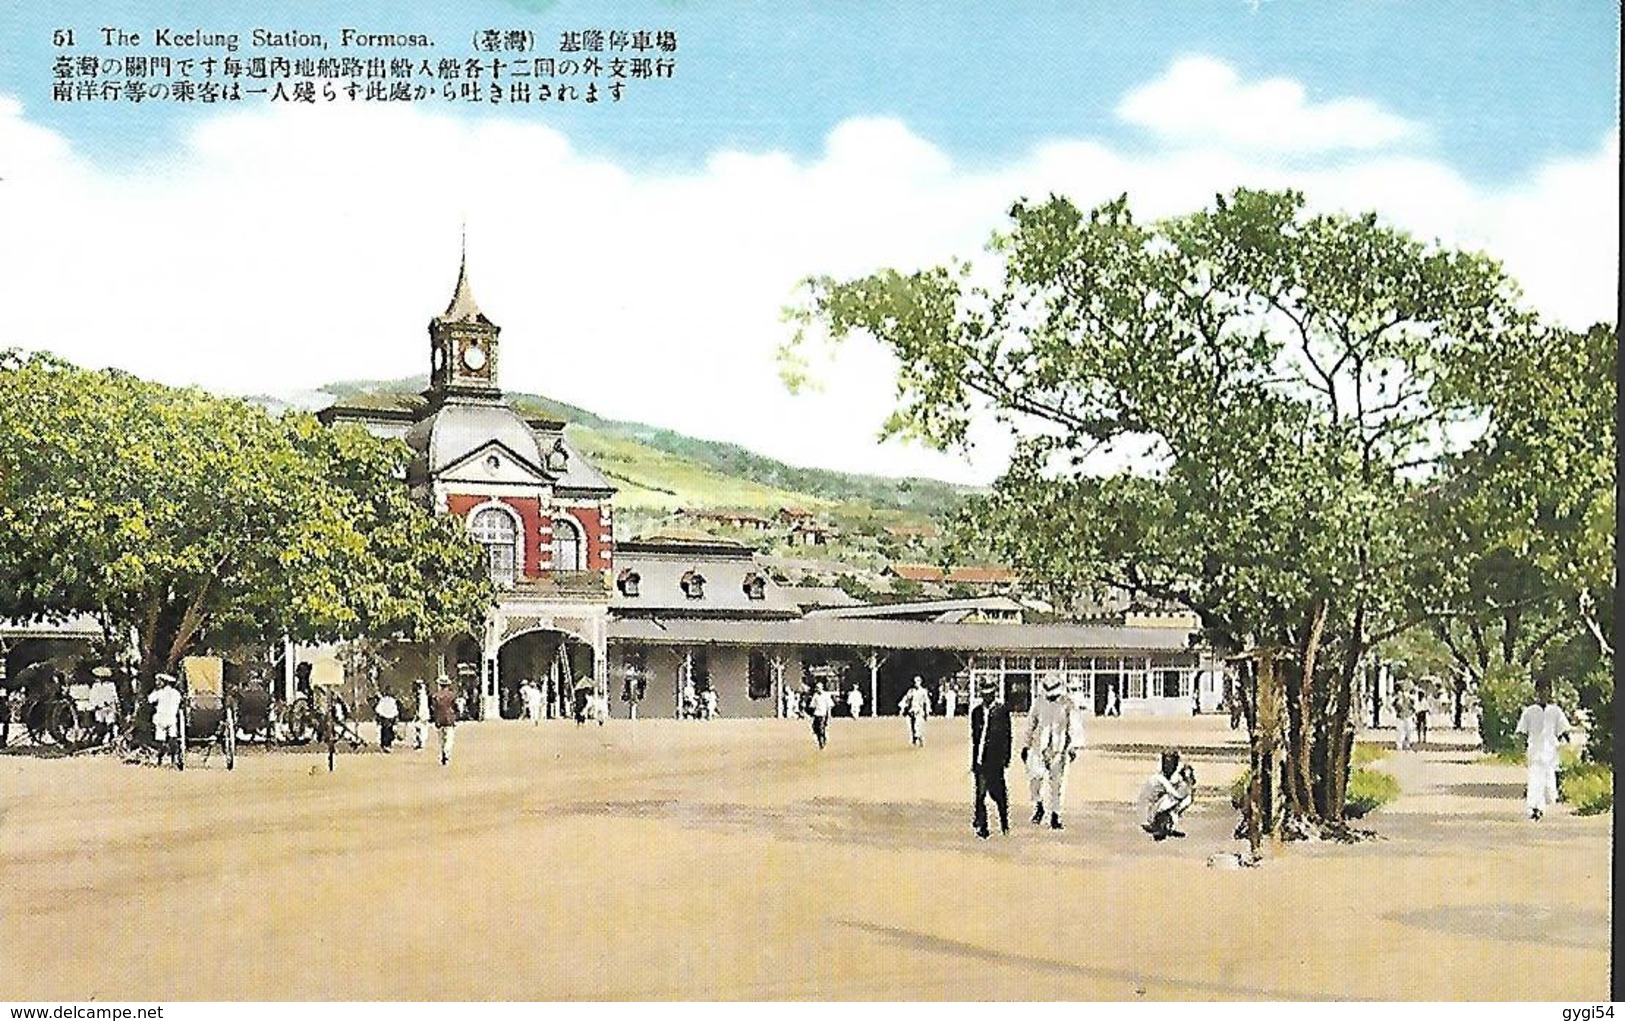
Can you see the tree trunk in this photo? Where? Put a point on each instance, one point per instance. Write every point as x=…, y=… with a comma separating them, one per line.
x=1269, y=730
x=1302, y=735
x=1342, y=725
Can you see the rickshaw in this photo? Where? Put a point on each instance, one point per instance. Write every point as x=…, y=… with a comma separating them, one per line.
x=327, y=710
x=254, y=707
x=48, y=710
x=208, y=716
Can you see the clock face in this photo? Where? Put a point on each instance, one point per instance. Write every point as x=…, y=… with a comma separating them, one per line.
x=474, y=358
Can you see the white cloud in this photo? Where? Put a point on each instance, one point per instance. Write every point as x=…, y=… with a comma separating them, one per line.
x=276, y=250
x=1202, y=101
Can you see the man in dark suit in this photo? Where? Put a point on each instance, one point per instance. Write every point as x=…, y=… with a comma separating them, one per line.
x=990, y=757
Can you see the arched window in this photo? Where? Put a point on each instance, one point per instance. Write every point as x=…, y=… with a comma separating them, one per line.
x=494, y=529
x=566, y=545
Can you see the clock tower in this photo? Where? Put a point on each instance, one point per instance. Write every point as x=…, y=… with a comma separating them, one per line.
x=462, y=345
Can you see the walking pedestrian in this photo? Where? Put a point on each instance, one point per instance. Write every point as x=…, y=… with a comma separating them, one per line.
x=949, y=698
x=989, y=758
x=1424, y=701
x=388, y=712
x=820, y=706
x=1051, y=745
x=916, y=705
x=443, y=711
x=1404, y=703
x=1545, y=724
x=854, y=701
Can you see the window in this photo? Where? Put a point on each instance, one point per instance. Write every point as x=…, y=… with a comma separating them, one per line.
x=1168, y=685
x=755, y=586
x=494, y=529
x=628, y=581
x=761, y=675
x=1134, y=684
x=692, y=584
x=566, y=545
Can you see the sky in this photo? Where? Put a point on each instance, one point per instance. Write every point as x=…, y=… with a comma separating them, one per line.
x=639, y=253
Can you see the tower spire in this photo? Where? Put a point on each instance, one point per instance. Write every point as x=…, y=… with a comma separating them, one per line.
x=463, y=307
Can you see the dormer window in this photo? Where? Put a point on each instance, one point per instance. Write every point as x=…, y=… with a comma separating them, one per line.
x=558, y=458
x=627, y=581
x=755, y=586
x=692, y=584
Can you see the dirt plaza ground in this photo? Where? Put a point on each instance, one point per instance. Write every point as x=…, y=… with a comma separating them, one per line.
x=732, y=860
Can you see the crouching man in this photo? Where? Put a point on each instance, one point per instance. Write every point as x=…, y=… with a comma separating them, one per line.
x=1166, y=795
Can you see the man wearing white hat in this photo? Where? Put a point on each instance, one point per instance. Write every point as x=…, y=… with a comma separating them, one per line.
x=1053, y=740
x=166, y=717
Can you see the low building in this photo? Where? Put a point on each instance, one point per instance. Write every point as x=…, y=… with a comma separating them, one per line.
x=728, y=519
x=703, y=612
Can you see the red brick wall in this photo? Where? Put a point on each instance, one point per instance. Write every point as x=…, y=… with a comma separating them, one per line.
x=530, y=520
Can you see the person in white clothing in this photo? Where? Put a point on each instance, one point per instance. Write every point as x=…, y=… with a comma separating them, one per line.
x=388, y=712
x=916, y=705
x=1545, y=724
x=166, y=717
x=1166, y=796
x=854, y=701
x=1404, y=717
x=820, y=706
x=531, y=693
x=949, y=697
x=1052, y=743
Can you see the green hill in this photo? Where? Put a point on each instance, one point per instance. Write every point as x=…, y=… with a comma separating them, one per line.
x=664, y=470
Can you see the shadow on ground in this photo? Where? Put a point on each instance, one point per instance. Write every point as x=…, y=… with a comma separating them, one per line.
x=1535, y=924
x=973, y=954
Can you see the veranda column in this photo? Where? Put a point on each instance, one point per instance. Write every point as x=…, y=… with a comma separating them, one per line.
x=685, y=677
x=874, y=682
x=287, y=669
x=600, y=656
x=780, y=698
x=489, y=644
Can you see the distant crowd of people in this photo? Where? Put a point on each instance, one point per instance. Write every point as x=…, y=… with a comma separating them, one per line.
x=1051, y=741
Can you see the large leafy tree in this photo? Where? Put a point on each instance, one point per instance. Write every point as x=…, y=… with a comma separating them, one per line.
x=197, y=522
x=1518, y=532
x=1227, y=410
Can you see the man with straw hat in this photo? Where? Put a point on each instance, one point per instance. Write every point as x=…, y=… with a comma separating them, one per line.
x=1053, y=740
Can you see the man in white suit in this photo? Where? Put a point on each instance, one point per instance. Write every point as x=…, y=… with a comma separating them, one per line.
x=1053, y=741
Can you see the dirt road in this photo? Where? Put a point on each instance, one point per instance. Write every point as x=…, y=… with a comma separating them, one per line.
x=732, y=860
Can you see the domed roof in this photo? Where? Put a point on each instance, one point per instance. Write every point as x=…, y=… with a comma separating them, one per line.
x=460, y=427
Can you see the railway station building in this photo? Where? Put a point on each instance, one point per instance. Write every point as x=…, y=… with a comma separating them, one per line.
x=682, y=608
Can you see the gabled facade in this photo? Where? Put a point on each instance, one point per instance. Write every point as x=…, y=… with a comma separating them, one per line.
x=542, y=512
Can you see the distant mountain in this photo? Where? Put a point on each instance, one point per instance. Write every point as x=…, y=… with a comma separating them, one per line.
x=664, y=469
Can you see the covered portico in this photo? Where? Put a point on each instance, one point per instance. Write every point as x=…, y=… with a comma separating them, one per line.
x=538, y=611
